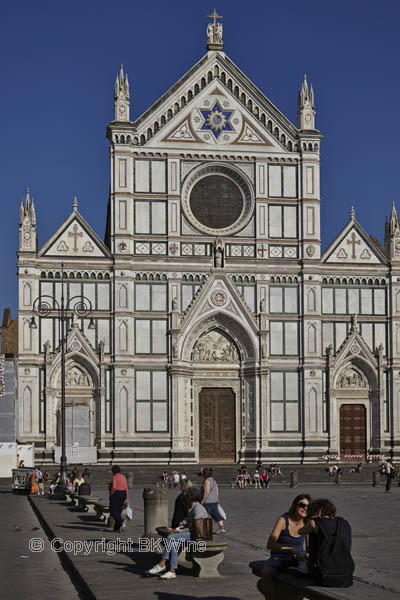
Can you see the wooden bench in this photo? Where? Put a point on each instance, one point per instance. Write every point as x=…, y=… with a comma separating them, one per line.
x=289, y=587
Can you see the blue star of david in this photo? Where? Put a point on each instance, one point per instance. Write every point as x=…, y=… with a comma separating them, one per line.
x=217, y=120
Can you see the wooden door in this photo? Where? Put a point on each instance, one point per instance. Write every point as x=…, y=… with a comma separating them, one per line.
x=217, y=424
x=353, y=430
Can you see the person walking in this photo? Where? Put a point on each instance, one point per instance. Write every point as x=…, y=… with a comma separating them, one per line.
x=389, y=472
x=118, y=497
x=40, y=481
x=210, y=498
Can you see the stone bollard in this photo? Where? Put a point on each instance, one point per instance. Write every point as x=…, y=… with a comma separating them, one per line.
x=375, y=478
x=155, y=510
x=293, y=479
x=129, y=479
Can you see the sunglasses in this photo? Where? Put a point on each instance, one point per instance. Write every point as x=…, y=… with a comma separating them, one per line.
x=302, y=505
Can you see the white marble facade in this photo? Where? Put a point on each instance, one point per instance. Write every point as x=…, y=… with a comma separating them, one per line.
x=211, y=275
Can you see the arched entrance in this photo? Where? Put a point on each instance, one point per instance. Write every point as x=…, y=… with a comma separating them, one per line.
x=79, y=413
x=353, y=431
x=217, y=425
x=353, y=397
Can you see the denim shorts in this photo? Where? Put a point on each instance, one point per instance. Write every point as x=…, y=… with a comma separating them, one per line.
x=212, y=509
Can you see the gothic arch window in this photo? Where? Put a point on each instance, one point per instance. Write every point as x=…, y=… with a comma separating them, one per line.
x=276, y=132
x=312, y=339
x=27, y=294
x=236, y=91
x=123, y=336
x=203, y=82
x=311, y=300
x=312, y=410
x=196, y=88
x=190, y=95
x=243, y=98
x=398, y=301
x=142, y=140
x=27, y=336
x=27, y=410
x=123, y=296
x=398, y=339
x=123, y=410
x=290, y=146
x=122, y=139
x=209, y=76
x=283, y=139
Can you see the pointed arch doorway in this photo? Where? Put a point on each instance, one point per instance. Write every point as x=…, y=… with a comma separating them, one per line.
x=353, y=430
x=217, y=440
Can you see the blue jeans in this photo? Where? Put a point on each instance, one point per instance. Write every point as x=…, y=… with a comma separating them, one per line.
x=212, y=509
x=176, y=542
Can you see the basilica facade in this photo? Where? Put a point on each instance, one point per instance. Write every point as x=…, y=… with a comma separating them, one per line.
x=208, y=325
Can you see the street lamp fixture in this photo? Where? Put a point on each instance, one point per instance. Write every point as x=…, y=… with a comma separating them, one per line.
x=46, y=305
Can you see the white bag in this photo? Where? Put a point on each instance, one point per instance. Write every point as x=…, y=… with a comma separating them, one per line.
x=222, y=512
x=129, y=513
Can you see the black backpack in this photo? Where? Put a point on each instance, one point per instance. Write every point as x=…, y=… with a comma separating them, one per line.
x=334, y=566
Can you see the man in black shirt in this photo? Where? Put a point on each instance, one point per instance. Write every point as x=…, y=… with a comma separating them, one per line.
x=321, y=522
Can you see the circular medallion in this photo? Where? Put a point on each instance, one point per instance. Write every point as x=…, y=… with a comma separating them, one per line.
x=27, y=371
x=355, y=348
x=27, y=236
x=217, y=199
x=218, y=298
x=75, y=346
x=310, y=251
x=216, y=202
x=122, y=246
x=122, y=109
x=123, y=372
x=312, y=373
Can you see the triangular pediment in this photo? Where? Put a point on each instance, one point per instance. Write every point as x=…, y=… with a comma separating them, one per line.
x=216, y=118
x=186, y=112
x=218, y=294
x=354, y=350
x=75, y=238
x=353, y=246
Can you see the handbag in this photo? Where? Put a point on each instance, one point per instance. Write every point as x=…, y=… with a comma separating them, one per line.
x=129, y=513
x=204, y=531
x=222, y=512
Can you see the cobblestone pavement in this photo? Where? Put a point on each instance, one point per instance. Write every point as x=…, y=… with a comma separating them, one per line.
x=251, y=515
x=26, y=574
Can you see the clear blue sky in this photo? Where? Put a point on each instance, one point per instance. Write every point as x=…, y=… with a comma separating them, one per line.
x=58, y=65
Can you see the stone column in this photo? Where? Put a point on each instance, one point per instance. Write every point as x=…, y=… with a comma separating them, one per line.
x=155, y=510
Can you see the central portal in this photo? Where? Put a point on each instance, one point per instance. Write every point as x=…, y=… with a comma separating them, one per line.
x=217, y=425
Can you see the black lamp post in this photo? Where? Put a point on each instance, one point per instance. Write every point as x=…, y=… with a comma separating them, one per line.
x=81, y=307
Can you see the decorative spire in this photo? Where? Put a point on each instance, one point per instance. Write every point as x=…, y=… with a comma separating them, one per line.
x=305, y=107
x=75, y=204
x=352, y=213
x=394, y=221
x=121, y=96
x=27, y=224
x=27, y=200
x=214, y=32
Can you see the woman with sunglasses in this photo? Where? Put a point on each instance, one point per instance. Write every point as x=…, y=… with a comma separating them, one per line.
x=286, y=545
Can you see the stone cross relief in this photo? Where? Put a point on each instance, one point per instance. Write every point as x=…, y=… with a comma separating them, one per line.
x=75, y=234
x=353, y=242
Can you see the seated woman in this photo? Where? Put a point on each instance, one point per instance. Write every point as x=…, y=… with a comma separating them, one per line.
x=181, y=508
x=179, y=537
x=286, y=545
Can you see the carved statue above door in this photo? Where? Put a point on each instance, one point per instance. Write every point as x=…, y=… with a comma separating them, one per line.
x=215, y=347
